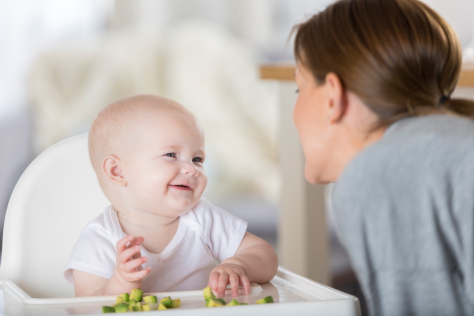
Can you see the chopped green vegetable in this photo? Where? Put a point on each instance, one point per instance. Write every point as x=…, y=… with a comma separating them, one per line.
x=121, y=309
x=137, y=307
x=108, y=309
x=150, y=299
x=265, y=300
x=175, y=303
x=125, y=297
x=214, y=303
x=166, y=303
x=136, y=295
x=232, y=303
x=208, y=294
x=161, y=306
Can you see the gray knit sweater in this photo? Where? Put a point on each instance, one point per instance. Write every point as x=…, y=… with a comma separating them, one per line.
x=405, y=210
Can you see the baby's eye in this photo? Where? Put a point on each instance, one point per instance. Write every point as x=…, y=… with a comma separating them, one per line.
x=198, y=159
x=297, y=91
x=171, y=155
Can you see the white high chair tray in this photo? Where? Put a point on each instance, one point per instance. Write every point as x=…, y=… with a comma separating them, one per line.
x=292, y=293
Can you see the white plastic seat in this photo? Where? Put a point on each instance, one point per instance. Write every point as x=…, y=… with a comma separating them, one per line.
x=57, y=195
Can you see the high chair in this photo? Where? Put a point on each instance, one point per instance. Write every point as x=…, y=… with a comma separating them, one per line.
x=57, y=195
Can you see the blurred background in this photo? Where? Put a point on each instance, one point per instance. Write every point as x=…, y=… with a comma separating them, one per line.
x=62, y=61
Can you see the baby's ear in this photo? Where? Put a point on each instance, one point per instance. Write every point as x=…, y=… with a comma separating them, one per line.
x=112, y=167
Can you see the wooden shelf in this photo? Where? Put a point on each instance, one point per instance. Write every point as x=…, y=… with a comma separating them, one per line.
x=286, y=72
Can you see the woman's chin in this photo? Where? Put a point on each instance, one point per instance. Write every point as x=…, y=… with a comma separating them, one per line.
x=314, y=177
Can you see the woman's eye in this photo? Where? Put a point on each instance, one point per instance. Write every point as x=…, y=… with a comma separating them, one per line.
x=297, y=91
x=197, y=159
x=171, y=155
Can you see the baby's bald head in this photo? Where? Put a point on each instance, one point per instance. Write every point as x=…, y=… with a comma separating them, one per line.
x=118, y=125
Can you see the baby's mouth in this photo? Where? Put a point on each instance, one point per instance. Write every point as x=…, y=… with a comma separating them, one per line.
x=181, y=186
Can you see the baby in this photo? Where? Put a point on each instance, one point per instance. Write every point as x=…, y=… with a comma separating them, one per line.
x=159, y=234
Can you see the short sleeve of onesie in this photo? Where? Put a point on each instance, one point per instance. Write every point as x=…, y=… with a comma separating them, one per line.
x=94, y=251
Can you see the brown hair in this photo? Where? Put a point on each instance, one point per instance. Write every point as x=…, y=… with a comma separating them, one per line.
x=398, y=56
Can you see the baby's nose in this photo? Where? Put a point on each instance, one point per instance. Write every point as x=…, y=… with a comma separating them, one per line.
x=190, y=170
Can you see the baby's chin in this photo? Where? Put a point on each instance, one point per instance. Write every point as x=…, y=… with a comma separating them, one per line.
x=182, y=207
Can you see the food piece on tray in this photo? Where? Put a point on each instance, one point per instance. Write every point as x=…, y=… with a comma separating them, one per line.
x=232, y=303
x=161, y=306
x=150, y=299
x=121, y=308
x=208, y=294
x=125, y=297
x=166, y=303
x=137, y=307
x=175, y=303
x=165, y=298
x=108, y=309
x=265, y=300
x=214, y=303
x=136, y=295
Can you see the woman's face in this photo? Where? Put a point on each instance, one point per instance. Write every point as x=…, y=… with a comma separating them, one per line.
x=311, y=117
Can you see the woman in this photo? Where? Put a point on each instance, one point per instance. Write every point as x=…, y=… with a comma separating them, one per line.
x=375, y=113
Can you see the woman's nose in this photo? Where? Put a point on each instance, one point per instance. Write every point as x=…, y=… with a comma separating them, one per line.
x=189, y=169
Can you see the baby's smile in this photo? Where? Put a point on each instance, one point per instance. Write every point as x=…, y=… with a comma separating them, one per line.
x=181, y=187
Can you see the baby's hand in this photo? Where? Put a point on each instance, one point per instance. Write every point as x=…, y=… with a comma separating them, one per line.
x=129, y=259
x=226, y=273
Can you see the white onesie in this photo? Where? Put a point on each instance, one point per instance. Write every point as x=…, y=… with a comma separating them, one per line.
x=204, y=234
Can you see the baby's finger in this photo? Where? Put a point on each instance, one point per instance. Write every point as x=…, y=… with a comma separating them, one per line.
x=222, y=284
x=234, y=284
x=128, y=253
x=133, y=265
x=244, y=280
x=213, y=279
x=136, y=241
x=137, y=276
x=122, y=243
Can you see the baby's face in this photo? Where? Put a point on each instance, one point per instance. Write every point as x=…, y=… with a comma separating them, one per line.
x=164, y=167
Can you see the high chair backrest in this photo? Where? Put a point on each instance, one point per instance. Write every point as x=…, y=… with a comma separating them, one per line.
x=57, y=195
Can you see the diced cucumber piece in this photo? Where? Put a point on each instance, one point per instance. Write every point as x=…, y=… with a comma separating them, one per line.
x=214, y=303
x=108, y=309
x=125, y=297
x=161, y=307
x=121, y=309
x=208, y=294
x=136, y=295
x=150, y=299
x=137, y=307
x=265, y=300
x=175, y=303
x=232, y=303
x=166, y=303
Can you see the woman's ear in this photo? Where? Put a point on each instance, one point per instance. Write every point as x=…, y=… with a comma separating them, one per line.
x=337, y=98
x=112, y=167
